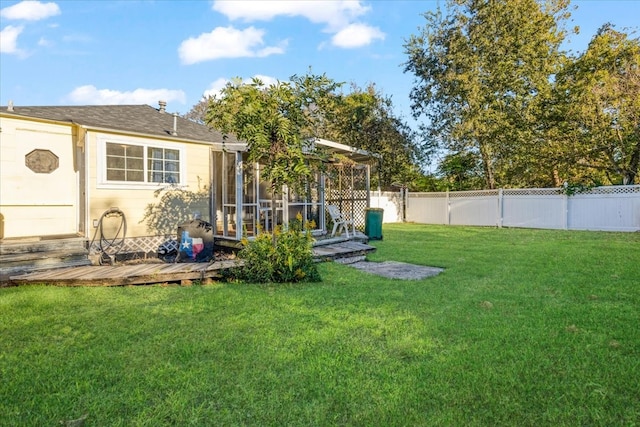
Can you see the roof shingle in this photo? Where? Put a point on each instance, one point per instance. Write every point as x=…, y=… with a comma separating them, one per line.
x=142, y=119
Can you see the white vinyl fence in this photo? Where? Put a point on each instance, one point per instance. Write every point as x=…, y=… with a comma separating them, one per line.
x=615, y=208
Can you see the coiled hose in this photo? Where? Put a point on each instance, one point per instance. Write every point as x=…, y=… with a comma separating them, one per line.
x=110, y=246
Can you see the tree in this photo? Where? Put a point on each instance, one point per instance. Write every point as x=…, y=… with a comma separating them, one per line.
x=482, y=73
x=198, y=112
x=275, y=121
x=460, y=171
x=364, y=119
x=600, y=96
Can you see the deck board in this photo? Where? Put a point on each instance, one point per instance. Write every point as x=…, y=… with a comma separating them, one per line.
x=152, y=273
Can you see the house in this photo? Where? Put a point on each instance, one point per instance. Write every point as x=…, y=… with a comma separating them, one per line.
x=67, y=171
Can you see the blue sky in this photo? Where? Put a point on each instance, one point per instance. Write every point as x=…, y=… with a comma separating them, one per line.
x=78, y=52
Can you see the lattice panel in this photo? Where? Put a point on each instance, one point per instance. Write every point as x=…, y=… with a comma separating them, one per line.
x=148, y=244
x=532, y=191
x=479, y=193
x=618, y=189
x=430, y=195
x=346, y=187
x=359, y=211
x=359, y=179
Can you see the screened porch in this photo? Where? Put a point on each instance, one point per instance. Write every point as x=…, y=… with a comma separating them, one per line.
x=241, y=204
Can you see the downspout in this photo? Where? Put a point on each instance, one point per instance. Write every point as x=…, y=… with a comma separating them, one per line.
x=239, y=168
x=79, y=134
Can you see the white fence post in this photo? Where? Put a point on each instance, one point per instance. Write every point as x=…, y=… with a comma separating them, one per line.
x=565, y=210
x=448, y=209
x=500, y=204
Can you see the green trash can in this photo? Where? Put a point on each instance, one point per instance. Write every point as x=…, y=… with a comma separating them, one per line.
x=373, y=223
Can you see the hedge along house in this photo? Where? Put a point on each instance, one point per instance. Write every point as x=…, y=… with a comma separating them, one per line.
x=64, y=169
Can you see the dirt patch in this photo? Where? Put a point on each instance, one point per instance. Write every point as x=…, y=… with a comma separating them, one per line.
x=397, y=270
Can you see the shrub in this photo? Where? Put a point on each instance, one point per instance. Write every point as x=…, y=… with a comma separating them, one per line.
x=290, y=260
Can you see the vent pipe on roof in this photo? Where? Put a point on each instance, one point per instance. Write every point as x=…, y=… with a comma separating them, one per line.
x=163, y=106
x=174, y=132
x=10, y=106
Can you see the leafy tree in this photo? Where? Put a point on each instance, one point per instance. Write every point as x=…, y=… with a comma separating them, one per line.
x=600, y=97
x=364, y=118
x=461, y=171
x=482, y=73
x=275, y=121
x=198, y=112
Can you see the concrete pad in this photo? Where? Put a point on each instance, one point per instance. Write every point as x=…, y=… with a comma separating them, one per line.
x=397, y=270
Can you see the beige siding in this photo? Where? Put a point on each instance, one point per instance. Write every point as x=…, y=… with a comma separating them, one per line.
x=34, y=204
x=133, y=200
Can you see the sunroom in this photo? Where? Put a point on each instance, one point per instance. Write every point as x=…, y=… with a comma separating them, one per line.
x=242, y=203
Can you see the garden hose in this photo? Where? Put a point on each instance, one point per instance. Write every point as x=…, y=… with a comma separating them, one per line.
x=110, y=246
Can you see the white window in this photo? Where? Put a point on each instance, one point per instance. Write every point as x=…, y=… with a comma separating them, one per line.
x=163, y=165
x=141, y=164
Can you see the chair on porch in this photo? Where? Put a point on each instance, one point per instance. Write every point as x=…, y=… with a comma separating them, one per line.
x=340, y=222
x=264, y=208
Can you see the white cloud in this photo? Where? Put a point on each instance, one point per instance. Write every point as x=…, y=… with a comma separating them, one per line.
x=9, y=39
x=267, y=80
x=90, y=95
x=30, y=10
x=216, y=86
x=333, y=13
x=226, y=42
x=338, y=16
x=44, y=42
x=356, y=35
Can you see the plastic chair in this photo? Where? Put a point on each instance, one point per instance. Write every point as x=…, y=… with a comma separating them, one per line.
x=340, y=222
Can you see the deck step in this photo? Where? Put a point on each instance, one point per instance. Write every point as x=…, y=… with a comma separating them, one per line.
x=342, y=250
x=15, y=246
x=328, y=240
x=26, y=256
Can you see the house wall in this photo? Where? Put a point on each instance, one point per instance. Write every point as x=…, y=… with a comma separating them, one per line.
x=39, y=179
x=178, y=205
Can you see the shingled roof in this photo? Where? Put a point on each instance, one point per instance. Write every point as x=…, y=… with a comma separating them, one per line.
x=140, y=119
x=147, y=120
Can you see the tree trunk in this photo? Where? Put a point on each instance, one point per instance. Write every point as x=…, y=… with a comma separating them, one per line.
x=274, y=212
x=556, y=177
x=486, y=165
x=629, y=177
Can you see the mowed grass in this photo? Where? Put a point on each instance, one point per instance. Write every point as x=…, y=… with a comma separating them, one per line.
x=524, y=328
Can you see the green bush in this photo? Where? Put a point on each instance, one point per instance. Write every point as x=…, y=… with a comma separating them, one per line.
x=290, y=260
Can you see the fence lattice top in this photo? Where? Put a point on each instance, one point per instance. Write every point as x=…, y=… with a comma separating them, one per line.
x=617, y=189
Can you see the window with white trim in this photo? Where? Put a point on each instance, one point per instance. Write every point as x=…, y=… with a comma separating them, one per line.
x=163, y=165
x=127, y=163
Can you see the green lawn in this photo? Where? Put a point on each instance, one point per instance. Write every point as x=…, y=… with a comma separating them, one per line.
x=524, y=328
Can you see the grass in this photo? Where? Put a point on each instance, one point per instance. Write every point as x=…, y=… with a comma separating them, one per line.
x=524, y=327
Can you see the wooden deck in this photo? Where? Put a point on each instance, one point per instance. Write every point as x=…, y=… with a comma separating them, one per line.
x=152, y=273
x=117, y=275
